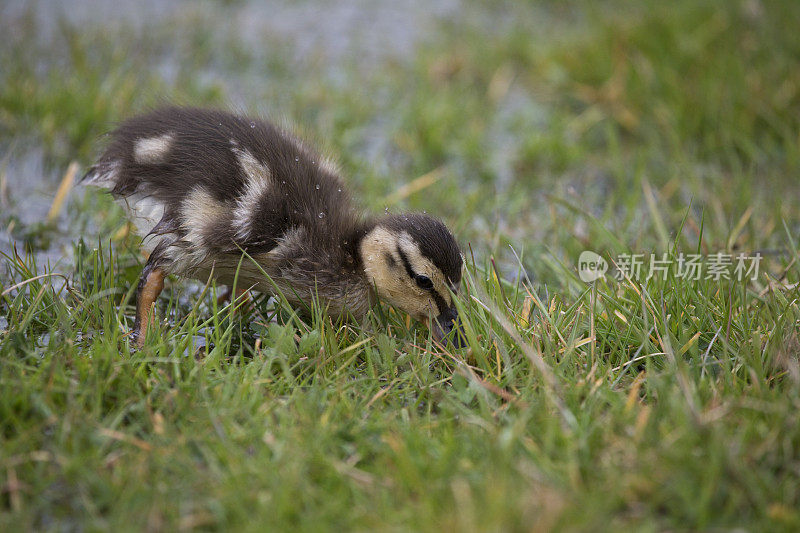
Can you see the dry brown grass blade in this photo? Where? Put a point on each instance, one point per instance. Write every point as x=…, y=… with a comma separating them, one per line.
x=120, y=436
x=416, y=185
x=35, y=278
x=63, y=191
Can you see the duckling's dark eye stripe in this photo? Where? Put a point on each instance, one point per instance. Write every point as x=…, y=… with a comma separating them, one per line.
x=439, y=301
x=406, y=264
x=441, y=305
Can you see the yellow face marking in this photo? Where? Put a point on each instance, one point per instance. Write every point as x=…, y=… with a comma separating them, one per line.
x=422, y=265
x=391, y=281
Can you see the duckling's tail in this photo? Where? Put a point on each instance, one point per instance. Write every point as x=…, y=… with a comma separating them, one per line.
x=103, y=174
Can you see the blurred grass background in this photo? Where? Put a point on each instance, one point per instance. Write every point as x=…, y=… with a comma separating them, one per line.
x=536, y=130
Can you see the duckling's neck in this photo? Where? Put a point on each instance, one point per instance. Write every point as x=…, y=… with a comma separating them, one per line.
x=329, y=268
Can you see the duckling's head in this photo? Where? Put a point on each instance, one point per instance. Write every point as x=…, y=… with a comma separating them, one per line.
x=414, y=263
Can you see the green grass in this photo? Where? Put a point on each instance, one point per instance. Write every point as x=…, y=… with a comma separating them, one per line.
x=655, y=404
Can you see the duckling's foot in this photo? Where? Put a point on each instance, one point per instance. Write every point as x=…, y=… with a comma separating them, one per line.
x=151, y=283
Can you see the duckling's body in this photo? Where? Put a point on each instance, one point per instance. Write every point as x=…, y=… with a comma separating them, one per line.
x=201, y=186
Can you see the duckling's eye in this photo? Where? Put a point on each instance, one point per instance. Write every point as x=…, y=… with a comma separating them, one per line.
x=423, y=282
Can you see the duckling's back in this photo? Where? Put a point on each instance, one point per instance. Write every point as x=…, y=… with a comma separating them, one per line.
x=199, y=184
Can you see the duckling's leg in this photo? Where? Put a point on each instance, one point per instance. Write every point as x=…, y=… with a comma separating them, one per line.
x=151, y=284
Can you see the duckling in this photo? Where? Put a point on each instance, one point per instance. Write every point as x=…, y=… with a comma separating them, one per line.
x=203, y=186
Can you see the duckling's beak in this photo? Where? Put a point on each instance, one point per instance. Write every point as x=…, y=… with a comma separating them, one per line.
x=447, y=322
